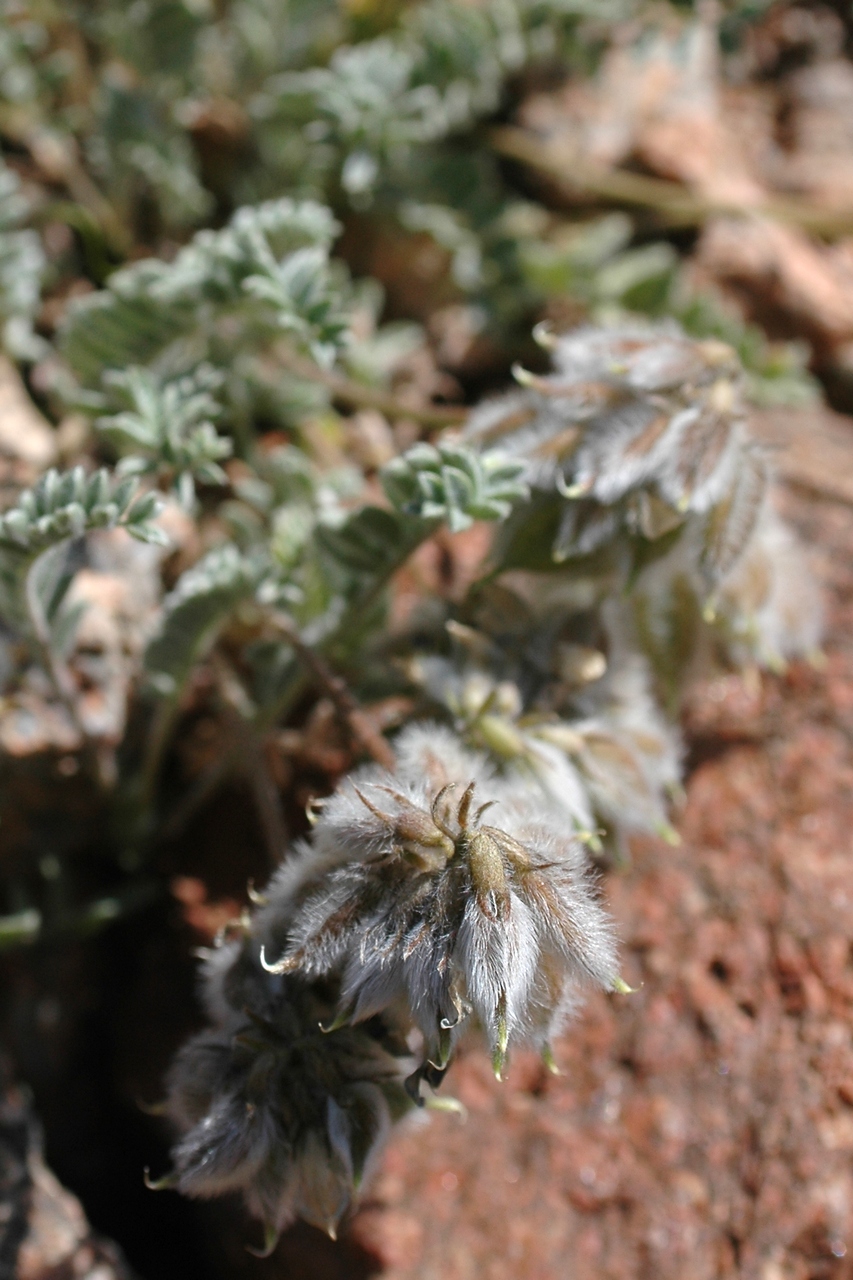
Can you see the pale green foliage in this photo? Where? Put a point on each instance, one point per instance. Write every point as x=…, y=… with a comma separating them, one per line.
x=22, y=266
x=304, y=300
x=68, y=504
x=195, y=611
x=320, y=102
x=377, y=100
x=455, y=484
x=364, y=115
x=306, y=554
x=185, y=360
x=439, y=69
x=227, y=294
x=368, y=542
x=62, y=506
x=168, y=428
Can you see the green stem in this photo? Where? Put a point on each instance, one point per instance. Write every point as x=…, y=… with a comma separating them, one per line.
x=159, y=737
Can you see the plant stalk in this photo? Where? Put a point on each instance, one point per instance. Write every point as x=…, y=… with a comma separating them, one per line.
x=673, y=201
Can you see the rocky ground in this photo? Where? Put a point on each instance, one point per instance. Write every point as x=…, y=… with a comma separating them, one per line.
x=703, y=1126
x=699, y=1128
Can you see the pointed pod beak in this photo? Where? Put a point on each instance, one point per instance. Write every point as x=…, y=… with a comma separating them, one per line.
x=271, y=1238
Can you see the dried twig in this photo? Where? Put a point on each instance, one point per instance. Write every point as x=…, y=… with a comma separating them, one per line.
x=674, y=202
x=59, y=162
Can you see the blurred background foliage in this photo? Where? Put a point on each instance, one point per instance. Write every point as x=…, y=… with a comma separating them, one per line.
x=149, y=120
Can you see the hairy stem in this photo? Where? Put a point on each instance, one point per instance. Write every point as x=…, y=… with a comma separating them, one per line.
x=361, y=730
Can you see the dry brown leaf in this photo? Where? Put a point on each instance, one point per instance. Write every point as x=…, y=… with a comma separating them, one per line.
x=809, y=447
x=655, y=100
x=780, y=269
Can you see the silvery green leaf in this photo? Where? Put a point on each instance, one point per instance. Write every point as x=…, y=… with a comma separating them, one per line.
x=144, y=508
x=14, y=525
x=149, y=533
x=367, y=541
x=197, y=608
x=64, y=627
x=454, y=483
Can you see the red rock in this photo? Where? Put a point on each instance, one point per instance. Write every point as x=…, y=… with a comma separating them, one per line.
x=702, y=1127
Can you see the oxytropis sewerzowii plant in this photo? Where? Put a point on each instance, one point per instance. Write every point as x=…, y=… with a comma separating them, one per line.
x=452, y=887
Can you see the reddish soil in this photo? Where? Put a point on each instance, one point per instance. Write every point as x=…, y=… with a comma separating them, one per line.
x=702, y=1127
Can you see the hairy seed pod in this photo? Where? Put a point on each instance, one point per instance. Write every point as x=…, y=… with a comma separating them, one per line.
x=466, y=933
x=273, y=1105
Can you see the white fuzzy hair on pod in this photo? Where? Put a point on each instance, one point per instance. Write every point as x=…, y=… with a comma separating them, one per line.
x=274, y=1106
x=433, y=907
x=629, y=407
x=771, y=602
